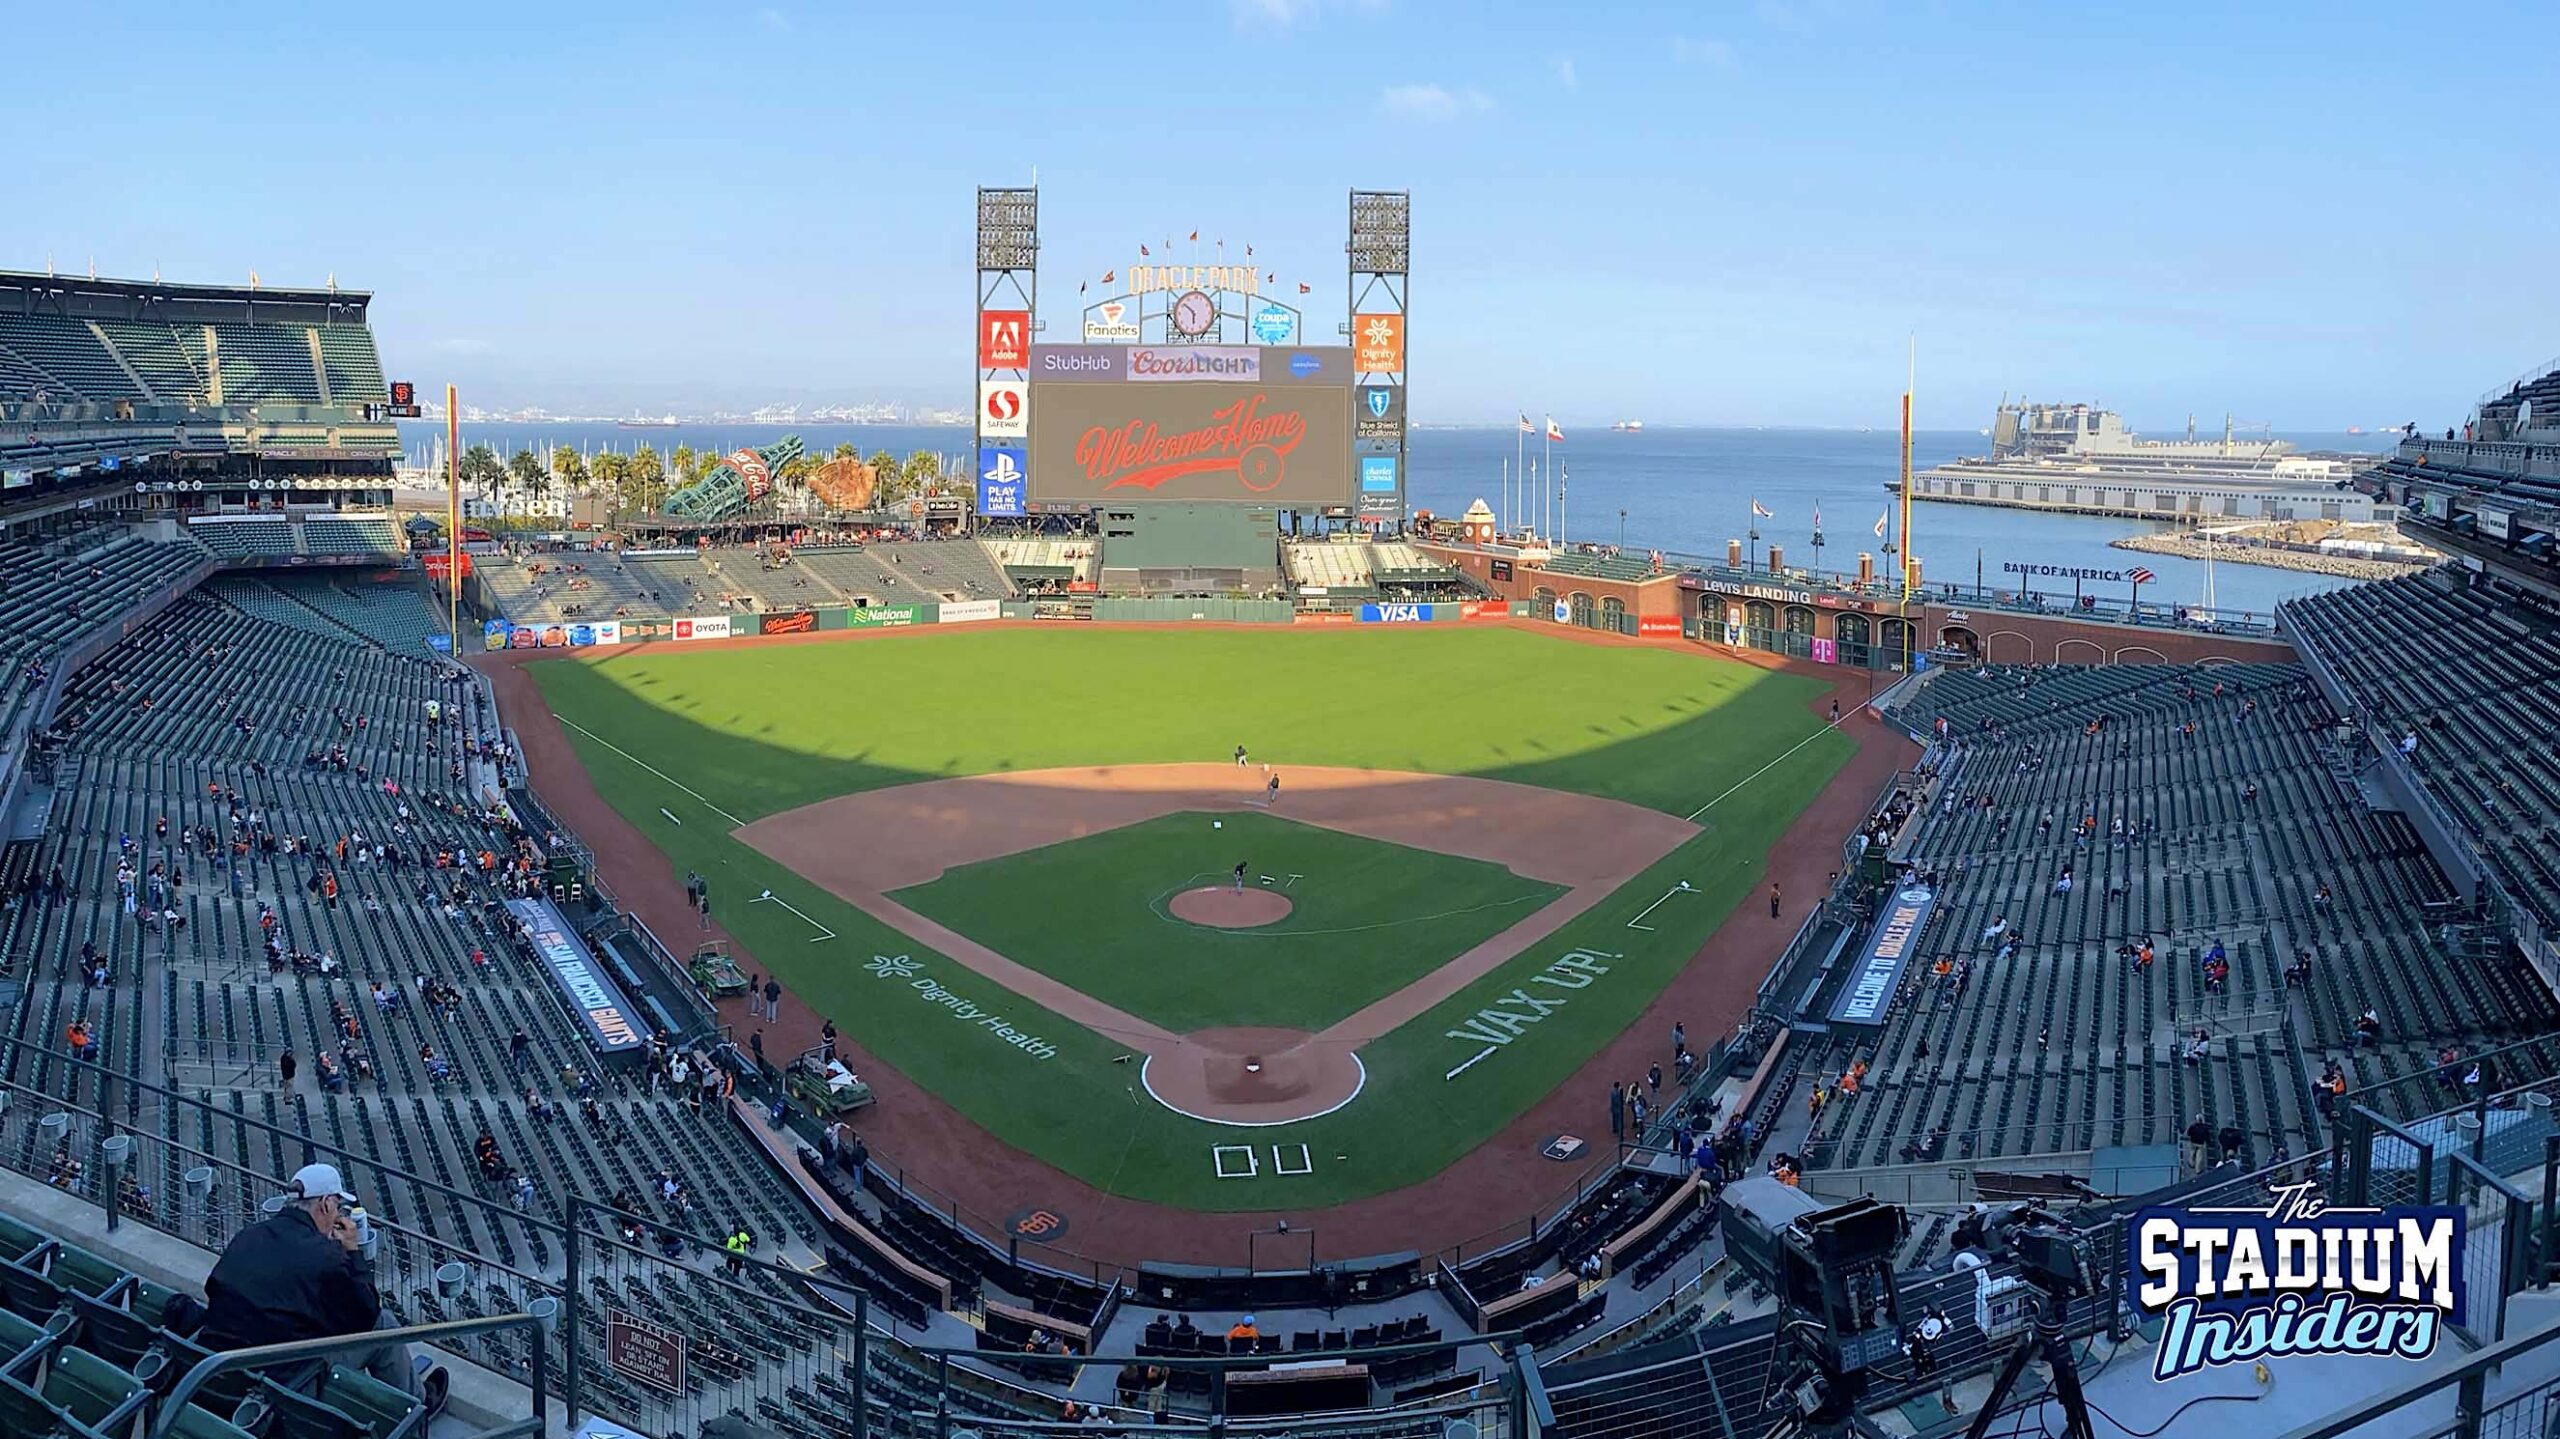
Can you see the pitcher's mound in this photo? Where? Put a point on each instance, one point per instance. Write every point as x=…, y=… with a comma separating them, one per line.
x=1222, y=907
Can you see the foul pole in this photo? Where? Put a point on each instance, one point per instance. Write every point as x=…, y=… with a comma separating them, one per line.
x=1910, y=382
x=453, y=521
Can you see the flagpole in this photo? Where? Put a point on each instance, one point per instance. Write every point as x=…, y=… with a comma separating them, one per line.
x=453, y=520
x=1519, y=467
x=1547, y=517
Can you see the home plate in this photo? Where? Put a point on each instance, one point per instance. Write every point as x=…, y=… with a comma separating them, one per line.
x=1563, y=1146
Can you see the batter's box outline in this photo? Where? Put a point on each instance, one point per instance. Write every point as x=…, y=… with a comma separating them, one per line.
x=1280, y=1165
x=1220, y=1156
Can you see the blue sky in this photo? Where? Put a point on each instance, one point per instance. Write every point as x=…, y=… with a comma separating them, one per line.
x=2314, y=216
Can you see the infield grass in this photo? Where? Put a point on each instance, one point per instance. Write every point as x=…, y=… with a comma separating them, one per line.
x=717, y=737
x=1367, y=917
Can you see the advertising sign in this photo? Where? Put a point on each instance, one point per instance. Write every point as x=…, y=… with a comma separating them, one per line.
x=1377, y=344
x=555, y=637
x=608, y=632
x=1004, y=409
x=709, y=627
x=956, y=612
x=1732, y=635
x=1210, y=440
x=1395, y=614
x=1501, y=569
x=493, y=635
x=1004, y=339
x=787, y=622
x=1378, y=412
x=524, y=637
x=1195, y=362
x=1877, y=972
x=2493, y=523
x=1079, y=362
x=1380, y=504
x=1146, y=279
x=1001, y=473
x=1658, y=626
x=881, y=617
x=1564, y=612
x=612, y=1025
x=1274, y=324
x=1377, y=474
x=1826, y=652
x=2061, y=572
x=1112, y=321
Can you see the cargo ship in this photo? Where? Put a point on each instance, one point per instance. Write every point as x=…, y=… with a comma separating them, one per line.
x=2078, y=459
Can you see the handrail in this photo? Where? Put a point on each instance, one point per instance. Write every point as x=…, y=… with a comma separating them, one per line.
x=2470, y=1377
x=173, y=1406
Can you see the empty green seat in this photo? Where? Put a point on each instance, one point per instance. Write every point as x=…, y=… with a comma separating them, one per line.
x=82, y=1272
x=386, y=1412
x=17, y=1241
x=93, y=1391
x=25, y=1289
x=194, y=1422
x=24, y=1412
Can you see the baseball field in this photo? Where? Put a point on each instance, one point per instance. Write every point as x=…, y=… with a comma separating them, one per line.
x=1024, y=869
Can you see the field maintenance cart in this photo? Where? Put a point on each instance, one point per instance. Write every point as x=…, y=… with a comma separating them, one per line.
x=823, y=1086
x=715, y=973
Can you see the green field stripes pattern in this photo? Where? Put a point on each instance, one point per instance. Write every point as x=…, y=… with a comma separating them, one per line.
x=716, y=736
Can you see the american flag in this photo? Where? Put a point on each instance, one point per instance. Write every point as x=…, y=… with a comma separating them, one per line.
x=2140, y=576
x=1525, y=427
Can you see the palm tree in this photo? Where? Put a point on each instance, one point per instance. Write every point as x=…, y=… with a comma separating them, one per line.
x=568, y=468
x=887, y=481
x=645, y=483
x=923, y=472
x=525, y=472
x=609, y=472
x=481, y=471
x=846, y=450
x=688, y=465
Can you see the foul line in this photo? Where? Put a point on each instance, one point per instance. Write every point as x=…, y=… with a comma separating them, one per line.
x=1827, y=728
x=1470, y=1064
x=653, y=769
x=1681, y=888
x=824, y=933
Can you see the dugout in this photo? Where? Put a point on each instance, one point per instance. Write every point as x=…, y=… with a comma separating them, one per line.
x=1175, y=548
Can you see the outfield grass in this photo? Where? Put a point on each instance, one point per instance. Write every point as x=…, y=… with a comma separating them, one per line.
x=1369, y=917
x=752, y=731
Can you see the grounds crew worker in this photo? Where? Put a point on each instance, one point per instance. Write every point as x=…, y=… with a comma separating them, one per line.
x=301, y=1273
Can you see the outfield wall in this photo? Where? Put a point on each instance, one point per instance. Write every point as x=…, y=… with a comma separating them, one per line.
x=501, y=634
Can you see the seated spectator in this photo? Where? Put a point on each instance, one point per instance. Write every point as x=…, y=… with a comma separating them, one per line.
x=302, y=1273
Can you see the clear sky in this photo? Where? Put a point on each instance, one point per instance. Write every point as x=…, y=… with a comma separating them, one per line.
x=2312, y=215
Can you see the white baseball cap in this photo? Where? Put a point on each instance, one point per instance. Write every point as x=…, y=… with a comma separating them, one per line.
x=320, y=1181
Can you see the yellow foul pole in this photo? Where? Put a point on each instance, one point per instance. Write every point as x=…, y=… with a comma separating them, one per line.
x=453, y=520
x=1904, y=558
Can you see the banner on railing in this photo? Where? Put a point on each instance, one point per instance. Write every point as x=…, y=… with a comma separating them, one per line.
x=612, y=1025
x=1878, y=971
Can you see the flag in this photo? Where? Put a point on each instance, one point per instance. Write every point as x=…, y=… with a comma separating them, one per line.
x=1817, y=517
x=1248, y=252
x=1554, y=435
x=1305, y=289
x=1195, y=237
x=2140, y=576
x=1760, y=511
x=1880, y=519
x=1107, y=274
x=1143, y=250
x=1525, y=427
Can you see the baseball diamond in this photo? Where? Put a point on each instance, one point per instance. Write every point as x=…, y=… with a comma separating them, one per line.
x=995, y=823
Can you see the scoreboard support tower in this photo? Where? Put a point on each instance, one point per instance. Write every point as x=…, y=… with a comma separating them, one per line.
x=1379, y=253
x=1008, y=291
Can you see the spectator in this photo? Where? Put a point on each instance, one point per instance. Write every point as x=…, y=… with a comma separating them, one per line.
x=302, y=1273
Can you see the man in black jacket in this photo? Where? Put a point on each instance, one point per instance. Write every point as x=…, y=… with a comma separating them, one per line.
x=302, y=1273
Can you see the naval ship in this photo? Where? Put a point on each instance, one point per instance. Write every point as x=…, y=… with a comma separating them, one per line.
x=2076, y=459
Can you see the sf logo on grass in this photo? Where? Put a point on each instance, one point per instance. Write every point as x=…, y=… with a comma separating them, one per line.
x=2239, y=1285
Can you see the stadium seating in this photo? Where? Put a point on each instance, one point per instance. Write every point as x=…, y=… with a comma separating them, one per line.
x=1333, y=568
x=209, y=695
x=1037, y=561
x=2067, y=1045
x=154, y=361
x=1596, y=566
x=367, y=536
x=2478, y=683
